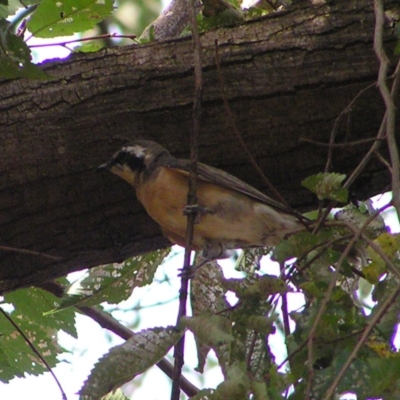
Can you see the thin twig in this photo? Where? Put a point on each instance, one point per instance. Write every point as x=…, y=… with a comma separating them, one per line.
x=285, y=313
x=191, y=200
x=379, y=156
x=331, y=390
x=362, y=164
x=33, y=348
x=99, y=37
x=357, y=235
x=321, y=311
x=390, y=265
x=231, y=120
x=339, y=145
x=107, y=321
x=388, y=99
x=335, y=128
x=29, y=252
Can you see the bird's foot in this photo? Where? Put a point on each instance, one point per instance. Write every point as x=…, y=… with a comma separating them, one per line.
x=190, y=272
x=198, y=210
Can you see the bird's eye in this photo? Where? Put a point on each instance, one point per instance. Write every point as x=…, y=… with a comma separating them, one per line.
x=130, y=159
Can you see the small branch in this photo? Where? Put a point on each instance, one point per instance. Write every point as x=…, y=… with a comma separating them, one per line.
x=35, y=351
x=331, y=143
x=321, y=311
x=107, y=321
x=340, y=145
x=231, y=119
x=331, y=390
x=285, y=313
x=388, y=99
x=375, y=147
x=379, y=156
x=99, y=37
x=29, y=252
x=358, y=233
x=191, y=199
x=392, y=268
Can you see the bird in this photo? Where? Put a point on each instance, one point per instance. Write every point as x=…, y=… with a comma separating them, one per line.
x=230, y=213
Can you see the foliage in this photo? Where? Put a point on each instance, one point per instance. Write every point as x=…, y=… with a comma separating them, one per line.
x=346, y=271
x=50, y=19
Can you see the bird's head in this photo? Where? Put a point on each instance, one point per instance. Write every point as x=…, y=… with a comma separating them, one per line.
x=131, y=161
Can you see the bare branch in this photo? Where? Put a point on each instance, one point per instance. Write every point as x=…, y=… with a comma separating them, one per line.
x=388, y=99
x=191, y=199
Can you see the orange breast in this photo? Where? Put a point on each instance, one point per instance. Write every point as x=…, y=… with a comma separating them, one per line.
x=234, y=218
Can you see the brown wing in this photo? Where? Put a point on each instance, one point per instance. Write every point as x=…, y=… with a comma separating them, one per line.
x=219, y=177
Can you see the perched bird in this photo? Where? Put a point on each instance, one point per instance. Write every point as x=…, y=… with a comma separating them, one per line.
x=230, y=213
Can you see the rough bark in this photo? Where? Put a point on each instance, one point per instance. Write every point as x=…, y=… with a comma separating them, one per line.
x=288, y=76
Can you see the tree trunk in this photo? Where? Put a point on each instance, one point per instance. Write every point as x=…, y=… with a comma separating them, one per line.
x=287, y=76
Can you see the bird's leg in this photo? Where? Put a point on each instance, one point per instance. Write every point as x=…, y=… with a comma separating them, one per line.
x=198, y=210
x=211, y=251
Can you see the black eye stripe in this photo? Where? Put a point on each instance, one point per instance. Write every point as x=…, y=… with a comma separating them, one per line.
x=127, y=158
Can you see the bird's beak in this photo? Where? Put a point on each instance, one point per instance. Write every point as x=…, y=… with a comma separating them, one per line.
x=103, y=167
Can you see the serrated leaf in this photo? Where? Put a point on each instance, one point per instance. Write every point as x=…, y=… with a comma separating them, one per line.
x=19, y=356
x=256, y=287
x=35, y=303
x=327, y=186
x=389, y=245
x=122, y=363
x=207, y=297
x=356, y=217
x=15, y=57
x=114, y=283
x=66, y=17
x=212, y=330
x=296, y=245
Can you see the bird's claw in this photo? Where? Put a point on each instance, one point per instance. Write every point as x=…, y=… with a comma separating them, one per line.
x=190, y=272
x=196, y=209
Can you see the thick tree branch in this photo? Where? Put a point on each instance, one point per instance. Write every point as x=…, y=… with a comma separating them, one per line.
x=287, y=76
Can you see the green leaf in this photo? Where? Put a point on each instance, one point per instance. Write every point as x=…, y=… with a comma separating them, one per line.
x=8, y=7
x=236, y=385
x=30, y=305
x=35, y=304
x=327, y=186
x=256, y=287
x=397, y=49
x=212, y=330
x=204, y=394
x=66, y=17
x=88, y=48
x=296, y=245
x=15, y=57
x=122, y=363
x=389, y=244
x=17, y=353
x=114, y=283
